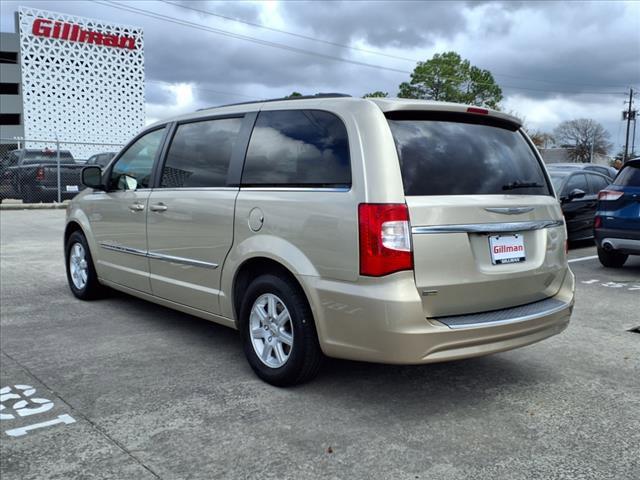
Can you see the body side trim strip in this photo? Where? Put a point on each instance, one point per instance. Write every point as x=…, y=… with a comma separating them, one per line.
x=158, y=256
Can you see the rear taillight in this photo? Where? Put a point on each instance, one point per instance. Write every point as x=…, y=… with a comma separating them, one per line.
x=597, y=222
x=609, y=195
x=385, y=238
x=40, y=173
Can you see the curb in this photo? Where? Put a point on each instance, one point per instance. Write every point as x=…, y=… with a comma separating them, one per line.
x=32, y=206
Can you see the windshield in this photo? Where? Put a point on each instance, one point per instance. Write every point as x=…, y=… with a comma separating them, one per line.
x=456, y=158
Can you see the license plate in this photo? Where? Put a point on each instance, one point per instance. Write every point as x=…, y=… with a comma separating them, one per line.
x=506, y=249
x=72, y=188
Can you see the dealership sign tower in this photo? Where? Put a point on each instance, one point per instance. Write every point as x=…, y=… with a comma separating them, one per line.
x=82, y=80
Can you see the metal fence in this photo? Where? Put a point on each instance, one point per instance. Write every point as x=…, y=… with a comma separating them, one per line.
x=35, y=171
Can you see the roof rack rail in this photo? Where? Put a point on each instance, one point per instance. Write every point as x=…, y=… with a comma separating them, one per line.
x=301, y=97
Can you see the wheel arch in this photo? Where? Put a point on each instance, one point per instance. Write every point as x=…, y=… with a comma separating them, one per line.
x=250, y=269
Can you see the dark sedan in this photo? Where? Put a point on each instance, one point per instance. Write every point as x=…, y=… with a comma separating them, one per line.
x=591, y=167
x=578, y=194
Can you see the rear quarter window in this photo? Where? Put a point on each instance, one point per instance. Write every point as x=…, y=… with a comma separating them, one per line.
x=629, y=176
x=458, y=158
x=298, y=148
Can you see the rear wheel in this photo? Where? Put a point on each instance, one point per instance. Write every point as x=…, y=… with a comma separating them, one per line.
x=611, y=259
x=278, y=332
x=81, y=274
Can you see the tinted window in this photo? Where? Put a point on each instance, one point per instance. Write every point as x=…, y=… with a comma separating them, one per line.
x=92, y=160
x=597, y=183
x=298, y=148
x=47, y=156
x=200, y=153
x=557, y=181
x=455, y=158
x=137, y=161
x=629, y=176
x=576, y=181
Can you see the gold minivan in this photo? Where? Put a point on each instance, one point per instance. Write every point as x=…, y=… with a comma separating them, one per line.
x=381, y=230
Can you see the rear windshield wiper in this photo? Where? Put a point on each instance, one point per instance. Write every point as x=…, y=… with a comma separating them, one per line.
x=516, y=184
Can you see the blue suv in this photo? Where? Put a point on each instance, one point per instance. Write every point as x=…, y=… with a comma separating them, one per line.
x=617, y=221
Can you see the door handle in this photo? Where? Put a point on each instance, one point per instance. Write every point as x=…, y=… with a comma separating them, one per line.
x=158, y=207
x=136, y=207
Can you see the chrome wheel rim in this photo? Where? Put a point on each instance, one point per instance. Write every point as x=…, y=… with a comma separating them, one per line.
x=271, y=330
x=78, y=266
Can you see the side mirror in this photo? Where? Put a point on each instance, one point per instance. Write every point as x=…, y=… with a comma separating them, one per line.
x=576, y=193
x=92, y=177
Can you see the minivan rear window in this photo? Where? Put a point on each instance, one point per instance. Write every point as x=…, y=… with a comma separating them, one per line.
x=458, y=158
x=629, y=176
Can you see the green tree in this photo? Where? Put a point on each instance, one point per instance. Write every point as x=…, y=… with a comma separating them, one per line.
x=294, y=94
x=376, y=94
x=449, y=78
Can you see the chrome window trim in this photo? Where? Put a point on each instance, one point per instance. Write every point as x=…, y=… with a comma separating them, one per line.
x=502, y=227
x=158, y=256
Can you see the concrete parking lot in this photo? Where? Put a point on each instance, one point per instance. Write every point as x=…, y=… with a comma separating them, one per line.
x=130, y=390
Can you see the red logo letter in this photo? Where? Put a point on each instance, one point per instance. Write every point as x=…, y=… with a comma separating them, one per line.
x=41, y=28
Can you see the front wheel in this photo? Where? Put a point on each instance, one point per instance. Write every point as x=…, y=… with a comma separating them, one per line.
x=81, y=274
x=611, y=259
x=278, y=332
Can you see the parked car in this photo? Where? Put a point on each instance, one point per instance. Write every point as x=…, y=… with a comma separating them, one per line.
x=100, y=159
x=31, y=175
x=578, y=194
x=617, y=221
x=591, y=167
x=381, y=230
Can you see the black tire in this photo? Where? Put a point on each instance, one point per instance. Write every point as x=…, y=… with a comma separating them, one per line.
x=305, y=355
x=611, y=259
x=92, y=288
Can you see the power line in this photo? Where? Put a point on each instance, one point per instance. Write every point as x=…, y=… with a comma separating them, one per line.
x=226, y=33
x=364, y=50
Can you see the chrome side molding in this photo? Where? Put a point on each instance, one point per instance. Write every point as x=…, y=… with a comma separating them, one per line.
x=121, y=249
x=501, y=227
x=158, y=256
x=182, y=260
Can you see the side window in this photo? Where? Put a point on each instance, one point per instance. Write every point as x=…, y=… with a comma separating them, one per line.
x=200, y=153
x=298, y=148
x=133, y=168
x=92, y=160
x=596, y=183
x=576, y=181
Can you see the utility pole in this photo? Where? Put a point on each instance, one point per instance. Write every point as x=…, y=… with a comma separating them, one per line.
x=626, y=143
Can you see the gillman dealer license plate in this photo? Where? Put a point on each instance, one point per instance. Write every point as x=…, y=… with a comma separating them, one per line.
x=507, y=248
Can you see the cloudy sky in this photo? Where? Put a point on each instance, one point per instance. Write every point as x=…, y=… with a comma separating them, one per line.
x=554, y=60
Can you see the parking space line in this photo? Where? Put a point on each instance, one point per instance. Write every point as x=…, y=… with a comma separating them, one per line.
x=582, y=259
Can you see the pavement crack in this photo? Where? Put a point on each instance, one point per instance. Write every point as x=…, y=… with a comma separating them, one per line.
x=81, y=415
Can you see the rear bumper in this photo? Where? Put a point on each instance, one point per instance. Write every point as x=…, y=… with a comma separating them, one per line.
x=623, y=241
x=391, y=327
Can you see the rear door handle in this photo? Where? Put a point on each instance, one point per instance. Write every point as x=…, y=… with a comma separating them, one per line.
x=158, y=207
x=136, y=207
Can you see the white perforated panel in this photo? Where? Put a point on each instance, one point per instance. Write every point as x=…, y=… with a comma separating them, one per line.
x=86, y=85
